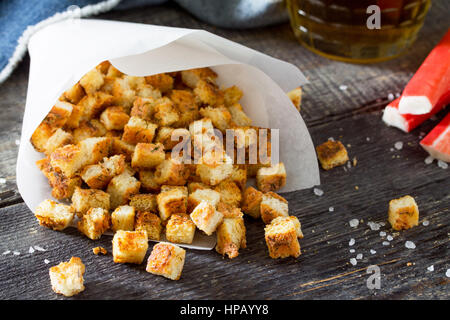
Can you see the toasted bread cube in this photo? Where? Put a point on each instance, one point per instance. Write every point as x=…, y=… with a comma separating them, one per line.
x=147, y=155
x=171, y=172
x=199, y=127
x=123, y=94
x=103, y=66
x=40, y=136
x=208, y=93
x=220, y=117
x=148, y=181
x=99, y=250
x=213, y=172
x=58, y=139
x=403, y=213
x=296, y=97
x=271, y=178
x=165, y=112
x=122, y=218
x=144, y=202
x=148, y=92
x=92, y=81
x=238, y=116
x=94, y=104
x=76, y=117
x=184, y=102
x=166, y=260
x=170, y=202
x=252, y=202
x=54, y=215
x=63, y=187
x=120, y=147
x=194, y=186
x=129, y=246
x=67, y=277
x=143, y=108
x=67, y=159
x=199, y=195
x=281, y=239
x=180, y=229
x=206, y=217
x=272, y=206
x=291, y=219
x=134, y=81
x=331, y=154
x=85, y=199
x=138, y=130
x=97, y=176
x=192, y=76
x=231, y=236
x=171, y=137
x=161, y=81
x=114, y=118
x=75, y=93
x=229, y=193
x=95, y=149
x=232, y=95
x=239, y=176
x=94, y=223
x=113, y=72
x=150, y=223
x=88, y=129
x=121, y=188
x=59, y=114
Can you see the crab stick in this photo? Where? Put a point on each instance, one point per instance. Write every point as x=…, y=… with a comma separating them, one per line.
x=407, y=122
x=437, y=142
x=430, y=82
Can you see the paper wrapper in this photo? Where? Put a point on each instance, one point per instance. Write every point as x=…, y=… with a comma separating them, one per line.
x=63, y=52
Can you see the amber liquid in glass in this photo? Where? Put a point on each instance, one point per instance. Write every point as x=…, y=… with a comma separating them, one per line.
x=338, y=28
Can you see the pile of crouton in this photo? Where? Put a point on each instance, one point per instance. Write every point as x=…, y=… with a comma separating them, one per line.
x=108, y=145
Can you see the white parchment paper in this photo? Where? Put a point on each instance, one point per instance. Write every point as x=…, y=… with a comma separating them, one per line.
x=63, y=52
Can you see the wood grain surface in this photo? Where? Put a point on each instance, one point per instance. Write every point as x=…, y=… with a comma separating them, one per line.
x=362, y=192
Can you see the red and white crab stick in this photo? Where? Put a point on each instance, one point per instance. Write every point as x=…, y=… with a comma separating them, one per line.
x=430, y=81
x=437, y=142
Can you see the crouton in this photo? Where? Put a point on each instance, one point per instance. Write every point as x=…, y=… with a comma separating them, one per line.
x=229, y=193
x=103, y=66
x=296, y=97
x=63, y=187
x=148, y=92
x=75, y=93
x=206, y=217
x=220, y=117
x=144, y=202
x=94, y=223
x=114, y=118
x=271, y=178
x=291, y=219
x=121, y=188
x=122, y=218
x=200, y=127
x=89, y=129
x=97, y=176
x=238, y=116
x=95, y=149
x=194, y=186
x=59, y=114
x=251, y=202
x=199, y=195
x=180, y=229
x=92, y=81
x=58, y=139
x=129, y=246
x=113, y=72
x=213, y=173
x=148, y=181
x=143, y=108
x=171, y=172
x=192, y=76
x=67, y=277
x=208, y=93
x=171, y=137
x=94, y=104
x=171, y=202
x=134, y=81
x=150, y=223
x=67, y=160
x=75, y=117
x=161, y=81
x=99, y=250
x=166, y=260
x=120, y=147
x=231, y=236
x=138, y=130
x=184, y=102
x=165, y=112
x=123, y=94
x=40, y=136
x=148, y=155
x=85, y=199
x=403, y=213
x=53, y=215
x=272, y=206
x=331, y=154
x=232, y=95
x=281, y=239
x=239, y=176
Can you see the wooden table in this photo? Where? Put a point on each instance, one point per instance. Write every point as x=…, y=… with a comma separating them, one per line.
x=323, y=271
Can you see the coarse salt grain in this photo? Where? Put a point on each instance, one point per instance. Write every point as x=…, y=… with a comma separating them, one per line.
x=389, y=238
x=410, y=245
x=382, y=224
x=386, y=243
x=382, y=234
x=31, y=250
x=318, y=192
x=426, y=223
x=331, y=209
x=373, y=226
x=354, y=223
x=368, y=139
x=353, y=261
x=16, y=253
x=2, y=180
x=431, y=268
x=352, y=250
x=390, y=96
x=447, y=273
x=17, y=142
x=397, y=94
x=351, y=242
x=391, y=149
x=7, y=252
x=343, y=87
x=359, y=256
x=46, y=261
x=38, y=248
x=330, y=139
x=442, y=164
x=398, y=145
x=349, y=165
x=429, y=160
x=372, y=251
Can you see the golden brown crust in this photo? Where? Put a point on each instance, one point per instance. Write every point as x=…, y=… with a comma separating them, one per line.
x=331, y=154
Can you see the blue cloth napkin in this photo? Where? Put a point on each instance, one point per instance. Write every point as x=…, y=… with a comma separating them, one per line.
x=18, y=15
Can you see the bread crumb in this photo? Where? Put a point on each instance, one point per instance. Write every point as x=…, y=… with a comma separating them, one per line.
x=99, y=250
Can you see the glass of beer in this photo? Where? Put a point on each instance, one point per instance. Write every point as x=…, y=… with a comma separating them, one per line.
x=361, y=31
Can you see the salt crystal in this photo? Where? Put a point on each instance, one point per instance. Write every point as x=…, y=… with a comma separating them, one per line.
x=382, y=224
x=331, y=209
x=442, y=164
x=31, y=250
x=426, y=223
x=349, y=165
x=398, y=145
x=397, y=95
x=330, y=139
x=389, y=238
x=367, y=139
x=7, y=252
x=318, y=192
x=46, y=261
x=16, y=253
x=382, y=234
x=343, y=87
x=351, y=242
x=447, y=273
x=410, y=245
x=390, y=96
x=429, y=160
x=372, y=251
x=38, y=248
x=386, y=243
x=373, y=226
x=17, y=142
x=353, y=261
x=2, y=180
x=431, y=268
x=354, y=223
x=359, y=256
x=391, y=149
x=352, y=250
